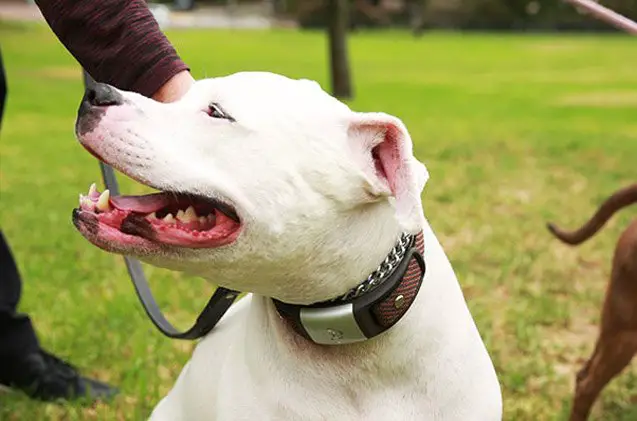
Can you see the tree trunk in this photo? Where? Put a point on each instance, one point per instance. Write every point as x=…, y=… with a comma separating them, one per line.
x=416, y=16
x=337, y=13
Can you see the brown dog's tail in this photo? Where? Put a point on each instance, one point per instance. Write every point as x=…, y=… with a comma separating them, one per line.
x=620, y=199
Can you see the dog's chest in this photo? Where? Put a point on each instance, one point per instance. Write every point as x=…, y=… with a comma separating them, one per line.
x=391, y=405
x=239, y=396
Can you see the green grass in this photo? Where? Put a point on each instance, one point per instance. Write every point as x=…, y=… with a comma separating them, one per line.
x=515, y=131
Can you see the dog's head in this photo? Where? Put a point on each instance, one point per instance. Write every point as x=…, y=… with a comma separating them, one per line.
x=266, y=184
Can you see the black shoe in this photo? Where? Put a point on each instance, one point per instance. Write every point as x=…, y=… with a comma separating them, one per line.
x=44, y=376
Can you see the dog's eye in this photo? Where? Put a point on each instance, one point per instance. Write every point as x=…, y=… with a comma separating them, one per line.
x=215, y=111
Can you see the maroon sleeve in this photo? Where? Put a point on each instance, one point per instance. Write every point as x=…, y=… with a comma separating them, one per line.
x=116, y=41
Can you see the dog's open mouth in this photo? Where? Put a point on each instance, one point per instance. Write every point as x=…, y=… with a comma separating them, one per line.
x=175, y=219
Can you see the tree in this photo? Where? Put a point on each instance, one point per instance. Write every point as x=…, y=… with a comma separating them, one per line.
x=338, y=14
x=416, y=11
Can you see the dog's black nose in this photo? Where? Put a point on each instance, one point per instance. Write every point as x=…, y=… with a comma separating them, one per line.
x=96, y=96
x=101, y=94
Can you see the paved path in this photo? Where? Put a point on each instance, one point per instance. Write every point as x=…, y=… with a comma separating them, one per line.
x=203, y=17
x=20, y=11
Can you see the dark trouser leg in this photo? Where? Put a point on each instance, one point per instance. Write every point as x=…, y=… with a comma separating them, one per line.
x=16, y=333
x=23, y=365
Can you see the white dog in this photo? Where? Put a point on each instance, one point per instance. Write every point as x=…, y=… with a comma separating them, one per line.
x=271, y=186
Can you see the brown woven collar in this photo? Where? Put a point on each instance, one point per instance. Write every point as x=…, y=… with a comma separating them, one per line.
x=371, y=308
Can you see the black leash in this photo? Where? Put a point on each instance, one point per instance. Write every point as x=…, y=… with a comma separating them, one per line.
x=217, y=306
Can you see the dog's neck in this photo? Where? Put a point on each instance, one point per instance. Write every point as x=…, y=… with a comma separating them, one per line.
x=370, y=308
x=385, y=352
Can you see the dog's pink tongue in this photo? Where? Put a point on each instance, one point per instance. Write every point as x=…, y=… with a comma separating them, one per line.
x=140, y=204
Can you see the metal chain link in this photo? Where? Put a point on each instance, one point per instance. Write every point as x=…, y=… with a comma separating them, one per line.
x=385, y=268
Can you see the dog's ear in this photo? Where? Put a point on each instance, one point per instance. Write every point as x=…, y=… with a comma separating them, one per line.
x=383, y=147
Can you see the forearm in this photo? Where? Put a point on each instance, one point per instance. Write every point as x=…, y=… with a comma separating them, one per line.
x=117, y=41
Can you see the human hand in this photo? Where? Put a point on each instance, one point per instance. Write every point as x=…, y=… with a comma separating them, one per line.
x=175, y=88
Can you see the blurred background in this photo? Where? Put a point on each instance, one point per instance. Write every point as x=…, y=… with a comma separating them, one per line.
x=524, y=112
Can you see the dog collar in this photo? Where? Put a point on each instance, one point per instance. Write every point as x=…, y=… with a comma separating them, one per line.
x=369, y=309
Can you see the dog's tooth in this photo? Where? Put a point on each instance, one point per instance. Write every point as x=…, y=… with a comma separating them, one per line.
x=102, y=202
x=202, y=220
x=190, y=215
x=87, y=204
x=92, y=190
x=180, y=215
x=169, y=219
x=152, y=216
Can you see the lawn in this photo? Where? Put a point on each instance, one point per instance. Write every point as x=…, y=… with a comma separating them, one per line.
x=515, y=131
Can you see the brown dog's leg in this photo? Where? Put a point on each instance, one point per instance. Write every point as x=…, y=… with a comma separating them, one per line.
x=612, y=354
x=617, y=342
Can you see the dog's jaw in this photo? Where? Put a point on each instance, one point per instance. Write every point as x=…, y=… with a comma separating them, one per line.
x=113, y=240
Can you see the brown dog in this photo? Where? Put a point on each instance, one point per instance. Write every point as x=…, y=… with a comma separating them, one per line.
x=617, y=341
